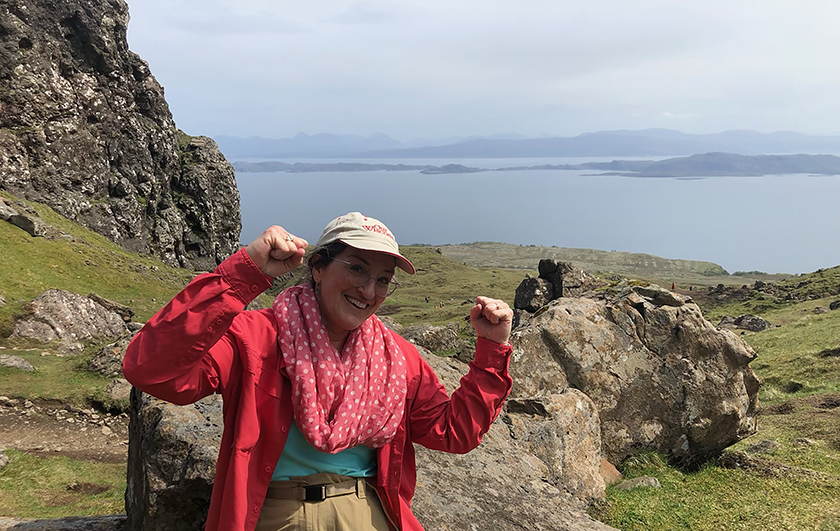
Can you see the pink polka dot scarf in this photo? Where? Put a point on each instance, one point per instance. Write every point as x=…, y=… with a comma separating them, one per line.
x=340, y=401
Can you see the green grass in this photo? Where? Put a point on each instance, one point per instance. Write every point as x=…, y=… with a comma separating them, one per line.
x=797, y=352
x=717, y=499
x=662, y=271
x=445, y=281
x=52, y=487
x=90, y=263
x=61, y=379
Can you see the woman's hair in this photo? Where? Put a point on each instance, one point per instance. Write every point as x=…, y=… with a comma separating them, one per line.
x=322, y=256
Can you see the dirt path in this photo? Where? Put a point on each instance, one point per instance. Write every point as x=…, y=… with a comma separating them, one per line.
x=50, y=428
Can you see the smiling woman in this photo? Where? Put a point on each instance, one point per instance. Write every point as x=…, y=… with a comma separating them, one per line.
x=323, y=402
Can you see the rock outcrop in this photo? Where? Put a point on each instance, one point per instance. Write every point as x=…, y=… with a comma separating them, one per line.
x=753, y=323
x=85, y=129
x=556, y=279
x=171, y=463
x=544, y=449
x=69, y=317
x=107, y=361
x=441, y=340
x=660, y=375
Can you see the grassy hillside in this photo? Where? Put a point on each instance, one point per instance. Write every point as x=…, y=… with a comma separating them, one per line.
x=88, y=263
x=771, y=300
x=663, y=271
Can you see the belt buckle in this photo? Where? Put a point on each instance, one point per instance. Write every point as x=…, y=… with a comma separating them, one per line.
x=314, y=493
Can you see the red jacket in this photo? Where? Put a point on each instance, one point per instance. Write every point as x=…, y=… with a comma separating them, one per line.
x=202, y=342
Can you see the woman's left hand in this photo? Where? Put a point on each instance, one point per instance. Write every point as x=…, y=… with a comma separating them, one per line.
x=492, y=319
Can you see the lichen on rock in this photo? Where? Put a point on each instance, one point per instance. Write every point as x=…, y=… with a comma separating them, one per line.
x=85, y=129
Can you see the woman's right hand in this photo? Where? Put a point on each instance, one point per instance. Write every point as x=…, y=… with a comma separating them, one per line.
x=276, y=251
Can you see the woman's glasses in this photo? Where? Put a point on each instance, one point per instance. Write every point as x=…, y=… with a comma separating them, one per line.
x=358, y=276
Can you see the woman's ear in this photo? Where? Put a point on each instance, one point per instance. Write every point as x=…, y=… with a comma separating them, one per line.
x=317, y=272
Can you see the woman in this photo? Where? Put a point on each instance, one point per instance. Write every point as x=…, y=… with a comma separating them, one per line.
x=322, y=402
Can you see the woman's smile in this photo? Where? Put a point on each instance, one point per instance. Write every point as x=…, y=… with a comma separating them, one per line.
x=344, y=307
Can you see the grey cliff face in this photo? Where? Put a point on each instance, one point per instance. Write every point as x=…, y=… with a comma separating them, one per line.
x=84, y=128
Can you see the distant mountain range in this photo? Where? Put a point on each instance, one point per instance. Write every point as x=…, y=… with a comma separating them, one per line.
x=648, y=142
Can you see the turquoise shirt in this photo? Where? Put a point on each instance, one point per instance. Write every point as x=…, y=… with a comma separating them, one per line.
x=299, y=458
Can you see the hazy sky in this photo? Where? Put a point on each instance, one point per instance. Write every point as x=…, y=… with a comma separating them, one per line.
x=434, y=68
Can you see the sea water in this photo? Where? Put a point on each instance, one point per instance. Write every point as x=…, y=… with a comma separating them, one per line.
x=772, y=223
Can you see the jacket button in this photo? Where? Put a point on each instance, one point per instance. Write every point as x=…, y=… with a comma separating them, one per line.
x=268, y=469
x=254, y=287
x=256, y=508
x=219, y=321
x=284, y=429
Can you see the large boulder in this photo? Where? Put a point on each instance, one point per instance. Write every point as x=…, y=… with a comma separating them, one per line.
x=536, y=469
x=172, y=455
x=660, y=375
x=85, y=129
x=68, y=317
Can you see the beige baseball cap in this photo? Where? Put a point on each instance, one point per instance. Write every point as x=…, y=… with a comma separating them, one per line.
x=365, y=233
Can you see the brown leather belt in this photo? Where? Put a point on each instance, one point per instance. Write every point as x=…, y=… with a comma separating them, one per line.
x=316, y=493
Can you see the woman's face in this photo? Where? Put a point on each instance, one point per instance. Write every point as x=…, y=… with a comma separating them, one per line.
x=345, y=307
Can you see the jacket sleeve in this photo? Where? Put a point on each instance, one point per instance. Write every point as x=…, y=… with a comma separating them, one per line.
x=457, y=424
x=186, y=351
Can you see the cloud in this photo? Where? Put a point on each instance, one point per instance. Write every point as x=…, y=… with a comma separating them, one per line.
x=434, y=67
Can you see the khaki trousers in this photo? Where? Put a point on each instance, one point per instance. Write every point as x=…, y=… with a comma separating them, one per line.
x=348, y=512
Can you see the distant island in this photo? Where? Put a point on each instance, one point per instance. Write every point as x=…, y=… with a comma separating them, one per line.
x=708, y=165
x=703, y=165
x=274, y=166
x=451, y=168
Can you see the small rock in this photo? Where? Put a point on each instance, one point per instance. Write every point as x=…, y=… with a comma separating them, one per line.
x=5, y=401
x=639, y=483
x=763, y=447
x=4, y=460
x=803, y=441
x=834, y=305
x=118, y=389
x=753, y=323
x=106, y=430
x=820, y=309
x=15, y=362
x=27, y=404
x=610, y=474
